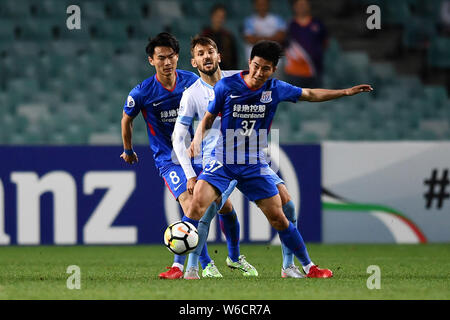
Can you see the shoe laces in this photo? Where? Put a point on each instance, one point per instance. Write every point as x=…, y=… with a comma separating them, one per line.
x=293, y=267
x=212, y=268
x=244, y=263
x=192, y=269
x=211, y=263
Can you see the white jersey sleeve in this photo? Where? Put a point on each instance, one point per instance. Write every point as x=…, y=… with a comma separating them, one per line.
x=187, y=110
x=186, y=114
x=179, y=146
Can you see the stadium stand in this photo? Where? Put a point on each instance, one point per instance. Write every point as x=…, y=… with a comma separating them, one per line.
x=60, y=86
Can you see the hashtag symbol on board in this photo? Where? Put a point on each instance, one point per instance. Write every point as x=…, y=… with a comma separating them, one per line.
x=437, y=189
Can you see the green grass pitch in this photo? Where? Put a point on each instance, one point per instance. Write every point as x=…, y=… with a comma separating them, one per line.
x=131, y=272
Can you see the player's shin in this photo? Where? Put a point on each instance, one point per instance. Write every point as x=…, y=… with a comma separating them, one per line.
x=201, y=252
x=178, y=261
x=230, y=228
x=288, y=255
x=292, y=239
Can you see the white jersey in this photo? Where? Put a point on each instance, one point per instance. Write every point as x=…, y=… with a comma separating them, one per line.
x=266, y=26
x=194, y=104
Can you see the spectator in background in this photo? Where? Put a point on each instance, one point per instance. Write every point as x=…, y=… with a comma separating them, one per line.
x=445, y=18
x=226, y=43
x=263, y=25
x=306, y=43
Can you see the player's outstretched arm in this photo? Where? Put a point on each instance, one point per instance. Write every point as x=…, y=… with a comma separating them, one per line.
x=128, y=155
x=319, y=95
x=204, y=126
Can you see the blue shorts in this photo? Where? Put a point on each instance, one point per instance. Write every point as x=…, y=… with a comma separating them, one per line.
x=175, y=178
x=275, y=178
x=255, y=181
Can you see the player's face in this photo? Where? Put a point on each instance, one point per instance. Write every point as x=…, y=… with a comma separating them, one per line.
x=164, y=60
x=260, y=70
x=206, y=59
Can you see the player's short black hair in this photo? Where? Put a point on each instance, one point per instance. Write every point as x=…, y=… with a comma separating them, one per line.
x=204, y=41
x=163, y=39
x=268, y=50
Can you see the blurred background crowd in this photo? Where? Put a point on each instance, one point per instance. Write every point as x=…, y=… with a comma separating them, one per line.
x=61, y=86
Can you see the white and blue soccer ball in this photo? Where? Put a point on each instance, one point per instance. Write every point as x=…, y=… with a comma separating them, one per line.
x=181, y=237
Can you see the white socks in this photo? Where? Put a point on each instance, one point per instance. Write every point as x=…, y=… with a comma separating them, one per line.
x=179, y=266
x=307, y=267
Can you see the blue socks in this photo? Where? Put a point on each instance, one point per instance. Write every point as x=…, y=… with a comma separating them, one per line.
x=201, y=253
x=203, y=230
x=230, y=227
x=289, y=212
x=182, y=258
x=293, y=240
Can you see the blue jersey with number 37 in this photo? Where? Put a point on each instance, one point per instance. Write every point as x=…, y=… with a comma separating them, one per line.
x=247, y=116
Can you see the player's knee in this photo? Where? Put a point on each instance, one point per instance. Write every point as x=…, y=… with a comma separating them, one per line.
x=185, y=200
x=279, y=221
x=284, y=193
x=195, y=211
x=198, y=207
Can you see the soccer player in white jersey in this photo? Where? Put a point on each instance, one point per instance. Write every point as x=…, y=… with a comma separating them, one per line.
x=194, y=103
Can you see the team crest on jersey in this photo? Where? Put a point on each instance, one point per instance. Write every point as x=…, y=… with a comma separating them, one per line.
x=130, y=102
x=266, y=97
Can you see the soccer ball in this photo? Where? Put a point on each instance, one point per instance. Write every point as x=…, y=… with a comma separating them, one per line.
x=181, y=237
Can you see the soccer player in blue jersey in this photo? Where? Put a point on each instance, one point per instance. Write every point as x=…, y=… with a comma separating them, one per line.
x=194, y=104
x=158, y=99
x=247, y=103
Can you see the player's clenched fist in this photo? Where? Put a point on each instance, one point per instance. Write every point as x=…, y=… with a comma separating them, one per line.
x=129, y=158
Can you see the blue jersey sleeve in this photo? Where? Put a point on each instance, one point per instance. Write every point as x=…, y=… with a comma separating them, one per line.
x=133, y=104
x=216, y=105
x=288, y=92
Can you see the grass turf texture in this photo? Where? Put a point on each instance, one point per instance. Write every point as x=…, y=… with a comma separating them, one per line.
x=131, y=272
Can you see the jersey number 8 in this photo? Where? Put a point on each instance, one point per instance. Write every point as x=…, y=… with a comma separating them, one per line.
x=173, y=176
